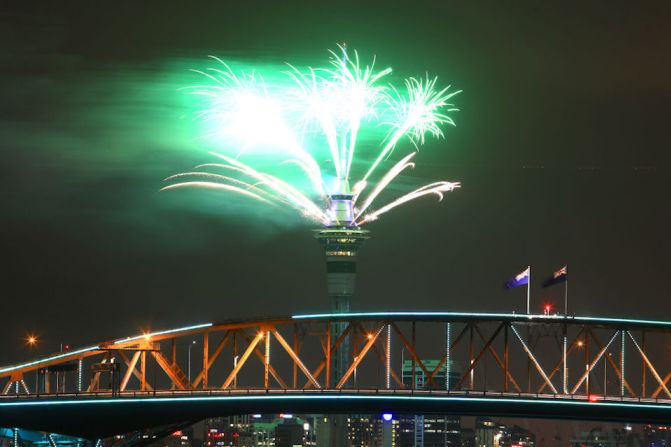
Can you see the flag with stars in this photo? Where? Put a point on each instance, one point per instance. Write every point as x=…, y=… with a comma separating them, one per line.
x=557, y=277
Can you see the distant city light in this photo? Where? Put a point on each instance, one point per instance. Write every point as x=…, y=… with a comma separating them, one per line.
x=387, y=416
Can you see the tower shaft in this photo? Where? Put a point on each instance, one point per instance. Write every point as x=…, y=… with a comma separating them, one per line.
x=341, y=245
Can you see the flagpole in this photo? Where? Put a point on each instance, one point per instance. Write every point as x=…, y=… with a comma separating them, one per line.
x=529, y=291
x=566, y=293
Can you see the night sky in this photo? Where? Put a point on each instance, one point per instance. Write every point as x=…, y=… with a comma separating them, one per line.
x=561, y=147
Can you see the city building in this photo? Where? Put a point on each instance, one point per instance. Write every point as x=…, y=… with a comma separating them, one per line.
x=361, y=431
x=438, y=382
x=467, y=437
x=228, y=431
x=653, y=435
x=179, y=438
x=657, y=436
x=489, y=433
x=283, y=430
x=289, y=434
x=520, y=437
x=322, y=431
x=429, y=430
x=372, y=431
x=596, y=437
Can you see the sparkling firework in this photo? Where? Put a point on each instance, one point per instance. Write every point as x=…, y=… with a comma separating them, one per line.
x=308, y=111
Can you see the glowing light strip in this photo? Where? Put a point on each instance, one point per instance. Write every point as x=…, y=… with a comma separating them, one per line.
x=96, y=347
x=622, y=366
x=388, y=359
x=169, y=331
x=427, y=314
x=49, y=359
x=622, y=320
x=565, y=370
x=79, y=375
x=448, y=348
x=267, y=356
x=521, y=317
x=322, y=396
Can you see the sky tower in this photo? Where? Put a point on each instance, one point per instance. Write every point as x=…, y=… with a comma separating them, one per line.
x=341, y=242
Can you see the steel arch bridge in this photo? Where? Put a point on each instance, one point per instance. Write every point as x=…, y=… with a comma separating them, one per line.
x=416, y=362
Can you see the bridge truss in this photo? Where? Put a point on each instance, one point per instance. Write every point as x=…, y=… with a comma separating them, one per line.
x=492, y=353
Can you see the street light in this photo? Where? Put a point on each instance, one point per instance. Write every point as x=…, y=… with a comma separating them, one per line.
x=34, y=343
x=31, y=341
x=193, y=342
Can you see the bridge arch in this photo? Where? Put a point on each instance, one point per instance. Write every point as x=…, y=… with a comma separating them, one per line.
x=469, y=363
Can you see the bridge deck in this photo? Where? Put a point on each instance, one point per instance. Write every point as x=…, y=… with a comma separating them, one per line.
x=94, y=415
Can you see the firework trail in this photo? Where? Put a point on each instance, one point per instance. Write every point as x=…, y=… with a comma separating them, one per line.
x=309, y=110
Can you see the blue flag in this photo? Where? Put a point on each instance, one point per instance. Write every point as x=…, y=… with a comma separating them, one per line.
x=519, y=280
x=557, y=277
